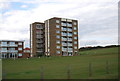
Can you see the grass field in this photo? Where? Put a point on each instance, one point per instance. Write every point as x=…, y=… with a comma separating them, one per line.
x=57, y=67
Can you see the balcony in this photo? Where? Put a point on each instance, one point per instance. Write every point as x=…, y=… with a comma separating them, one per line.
x=38, y=33
x=63, y=19
x=40, y=51
x=9, y=45
x=12, y=51
x=64, y=44
x=63, y=24
x=69, y=25
x=70, y=30
x=64, y=34
x=12, y=45
x=3, y=45
x=39, y=41
x=70, y=50
x=63, y=29
x=69, y=35
x=64, y=39
x=39, y=36
x=69, y=39
x=39, y=46
x=39, y=27
x=69, y=44
x=3, y=50
x=64, y=49
x=69, y=20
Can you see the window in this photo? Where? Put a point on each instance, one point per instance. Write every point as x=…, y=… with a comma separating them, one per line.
x=75, y=33
x=58, y=36
x=75, y=28
x=57, y=26
x=58, y=52
x=58, y=47
x=75, y=47
x=75, y=42
x=58, y=42
x=75, y=37
x=57, y=31
x=57, y=21
x=19, y=48
x=20, y=43
x=75, y=23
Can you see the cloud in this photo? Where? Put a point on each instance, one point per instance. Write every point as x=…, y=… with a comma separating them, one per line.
x=24, y=6
x=97, y=19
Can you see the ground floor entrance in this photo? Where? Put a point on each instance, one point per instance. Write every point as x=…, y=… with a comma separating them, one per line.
x=8, y=55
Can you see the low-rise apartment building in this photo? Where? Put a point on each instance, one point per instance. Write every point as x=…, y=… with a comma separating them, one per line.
x=11, y=48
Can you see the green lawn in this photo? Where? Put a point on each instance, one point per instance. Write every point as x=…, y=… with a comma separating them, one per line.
x=57, y=67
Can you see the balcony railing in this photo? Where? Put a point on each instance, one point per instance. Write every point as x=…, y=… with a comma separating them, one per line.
x=9, y=45
x=12, y=51
x=69, y=20
x=13, y=45
x=70, y=35
x=38, y=33
x=64, y=29
x=64, y=39
x=63, y=24
x=4, y=45
x=69, y=44
x=69, y=39
x=70, y=49
x=64, y=49
x=64, y=34
x=40, y=36
x=40, y=51
x=64, y=44
x=70, y=30
x=3, y=50
x=63, y=19
x=69, y=25
x=39, y=41
x=39, y=46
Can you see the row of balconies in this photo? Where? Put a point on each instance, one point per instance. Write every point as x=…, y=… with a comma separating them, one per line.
x=65, y=29
x=67, y=49
x=39, y=36
x=39, y=33
x=9, y=51
x=8, y=45
x=40, y=46
x=63, y=34
x=65, y=39
x=66, y=44
x=68, y=20
x=39, y=41
x=66, y=24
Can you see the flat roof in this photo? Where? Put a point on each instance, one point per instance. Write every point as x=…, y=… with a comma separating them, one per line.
x=13, y=40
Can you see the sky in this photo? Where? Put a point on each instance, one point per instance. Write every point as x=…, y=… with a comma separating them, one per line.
x=97, y=19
